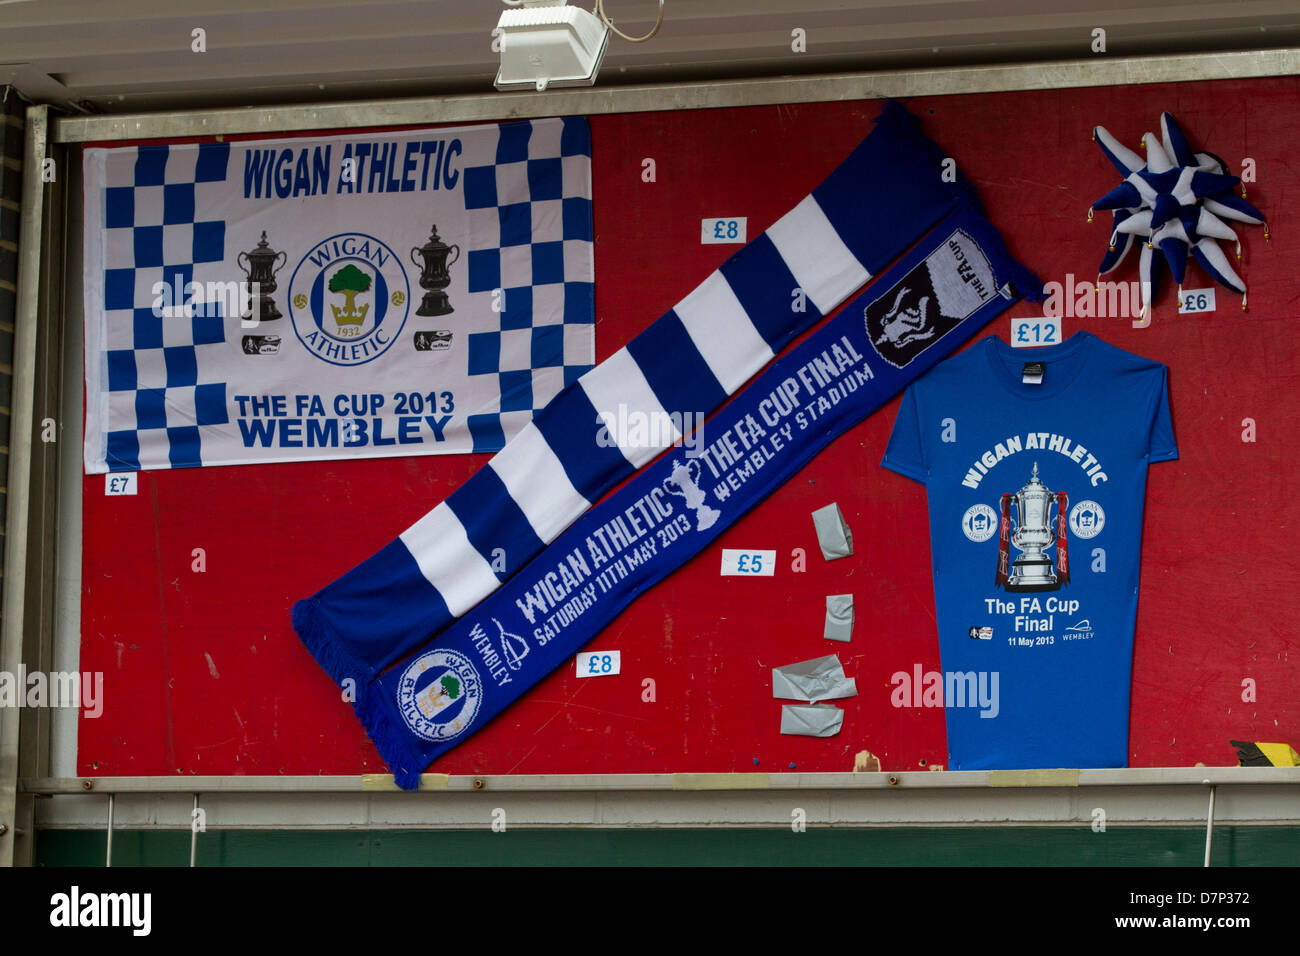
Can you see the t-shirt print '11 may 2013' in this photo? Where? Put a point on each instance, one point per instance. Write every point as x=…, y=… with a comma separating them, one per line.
x=1035, y=496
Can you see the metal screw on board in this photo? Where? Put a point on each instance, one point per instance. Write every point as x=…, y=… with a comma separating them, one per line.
x=3, y=829
x=478, y=783
x=87, y=785
x=893, y=781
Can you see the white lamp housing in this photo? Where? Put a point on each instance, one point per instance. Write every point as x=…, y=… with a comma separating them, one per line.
x=551, y=45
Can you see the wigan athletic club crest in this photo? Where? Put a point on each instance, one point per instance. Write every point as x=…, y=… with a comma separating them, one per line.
x=1037, y=530
x=949, y=285
x=979, y=523
x=349, y=298
x=439, y=694
x=1087, y=519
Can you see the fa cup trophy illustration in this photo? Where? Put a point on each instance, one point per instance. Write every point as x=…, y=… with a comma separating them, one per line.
x=434, y=277
x=1033, y=569
x=260, y=272
x=683, y=482
x=907, y=322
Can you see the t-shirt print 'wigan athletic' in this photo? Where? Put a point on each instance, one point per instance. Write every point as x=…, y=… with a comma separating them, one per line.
x=1035, y=495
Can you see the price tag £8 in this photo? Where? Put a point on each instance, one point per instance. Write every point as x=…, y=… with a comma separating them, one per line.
x=599, y=663
x=723, y=231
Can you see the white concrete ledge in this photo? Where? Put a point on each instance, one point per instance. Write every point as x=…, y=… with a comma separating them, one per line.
x=1138, y=796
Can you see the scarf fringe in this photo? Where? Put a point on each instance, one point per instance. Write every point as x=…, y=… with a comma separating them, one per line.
x=387, y=738
x=896, y=113
x=367, y=704
x=1007, y=268
x=316, y=636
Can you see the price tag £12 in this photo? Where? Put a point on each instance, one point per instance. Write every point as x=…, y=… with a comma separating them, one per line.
x=1033, y=331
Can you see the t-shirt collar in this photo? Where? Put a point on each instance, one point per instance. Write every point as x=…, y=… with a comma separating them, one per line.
x=1063, y=363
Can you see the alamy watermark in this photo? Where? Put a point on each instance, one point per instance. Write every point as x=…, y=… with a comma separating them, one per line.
x=631, y=428
x=75, y=908
x=55, y=689
x=176, y=300
x=977, y=689
x=1093, y=299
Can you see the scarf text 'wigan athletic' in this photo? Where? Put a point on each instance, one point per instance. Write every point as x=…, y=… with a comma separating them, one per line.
x=954, y=281
x=888, y=192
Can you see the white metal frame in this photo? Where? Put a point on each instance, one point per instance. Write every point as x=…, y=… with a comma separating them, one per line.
x=1095, y=71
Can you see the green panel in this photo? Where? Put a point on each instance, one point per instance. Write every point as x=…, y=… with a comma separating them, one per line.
x=945, y=846
x=130, y=848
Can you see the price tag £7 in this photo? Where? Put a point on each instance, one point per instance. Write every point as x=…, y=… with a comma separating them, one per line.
x=120, y=484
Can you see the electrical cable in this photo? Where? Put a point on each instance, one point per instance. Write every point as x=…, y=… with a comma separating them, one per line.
x=600, y=12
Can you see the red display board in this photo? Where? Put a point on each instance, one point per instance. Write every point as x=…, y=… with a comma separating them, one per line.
x=204, y=675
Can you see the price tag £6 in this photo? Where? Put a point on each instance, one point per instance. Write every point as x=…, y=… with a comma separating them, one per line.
x=1196, y=300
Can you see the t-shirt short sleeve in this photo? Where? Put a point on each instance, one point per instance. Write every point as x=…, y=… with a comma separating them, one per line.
x=904, y=453
x=1162, y=447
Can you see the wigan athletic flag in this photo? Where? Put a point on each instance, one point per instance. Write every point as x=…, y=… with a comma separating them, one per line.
x=393, y=293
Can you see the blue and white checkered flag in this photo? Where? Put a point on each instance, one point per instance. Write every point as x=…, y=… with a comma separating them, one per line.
x=421, y=292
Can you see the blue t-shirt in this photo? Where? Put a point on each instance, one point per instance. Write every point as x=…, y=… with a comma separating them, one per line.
x=1035, y=494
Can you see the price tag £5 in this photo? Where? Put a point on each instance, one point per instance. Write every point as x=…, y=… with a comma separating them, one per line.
x=748, y=564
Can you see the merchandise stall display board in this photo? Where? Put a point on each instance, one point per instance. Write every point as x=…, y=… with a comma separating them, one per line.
x=203, y=674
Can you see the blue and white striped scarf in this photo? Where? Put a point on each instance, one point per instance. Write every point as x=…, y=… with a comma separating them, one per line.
x=888, y=192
